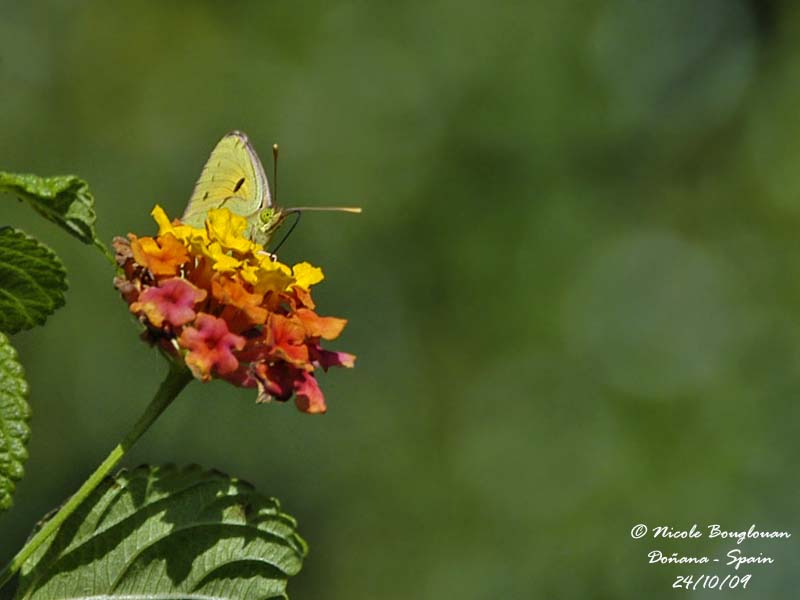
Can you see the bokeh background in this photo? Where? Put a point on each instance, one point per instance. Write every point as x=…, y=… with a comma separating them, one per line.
x=573, y=292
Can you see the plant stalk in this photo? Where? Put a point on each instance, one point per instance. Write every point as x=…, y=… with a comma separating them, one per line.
x=177, y=378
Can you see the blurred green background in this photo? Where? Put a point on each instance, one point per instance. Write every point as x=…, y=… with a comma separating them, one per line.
x=573, y=291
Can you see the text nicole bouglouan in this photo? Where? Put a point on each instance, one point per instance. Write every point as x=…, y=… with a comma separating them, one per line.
x=731, y=568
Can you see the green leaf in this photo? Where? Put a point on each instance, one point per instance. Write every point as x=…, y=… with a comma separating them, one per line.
x=65, y=200
x=32, y=281
x=162, y=532
x=14, y=415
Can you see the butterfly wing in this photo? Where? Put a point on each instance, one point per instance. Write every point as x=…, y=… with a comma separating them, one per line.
x=232, y=177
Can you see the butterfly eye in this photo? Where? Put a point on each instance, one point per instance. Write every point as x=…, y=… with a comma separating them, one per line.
x=267, y=215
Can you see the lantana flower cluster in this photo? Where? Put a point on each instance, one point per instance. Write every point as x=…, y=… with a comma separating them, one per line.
x=218, y=301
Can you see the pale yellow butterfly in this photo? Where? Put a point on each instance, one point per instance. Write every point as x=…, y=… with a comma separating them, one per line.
x=233, y=177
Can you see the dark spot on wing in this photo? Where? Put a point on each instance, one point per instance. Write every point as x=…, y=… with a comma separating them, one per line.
x=205, y=195
x=239, y=184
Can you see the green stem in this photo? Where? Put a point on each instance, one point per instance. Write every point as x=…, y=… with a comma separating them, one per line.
x=106, y=252
x=177, y=378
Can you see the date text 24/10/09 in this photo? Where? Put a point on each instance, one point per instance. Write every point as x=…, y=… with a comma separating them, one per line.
x=711, y=582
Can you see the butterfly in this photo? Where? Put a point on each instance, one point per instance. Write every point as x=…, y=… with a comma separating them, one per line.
x=233, y=177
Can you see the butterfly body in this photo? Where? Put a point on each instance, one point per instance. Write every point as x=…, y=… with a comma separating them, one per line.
x=234, y=178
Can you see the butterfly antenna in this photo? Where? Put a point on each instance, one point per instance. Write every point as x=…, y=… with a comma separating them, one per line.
x=288, y=233
x=275, y=175
x=348, y=209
